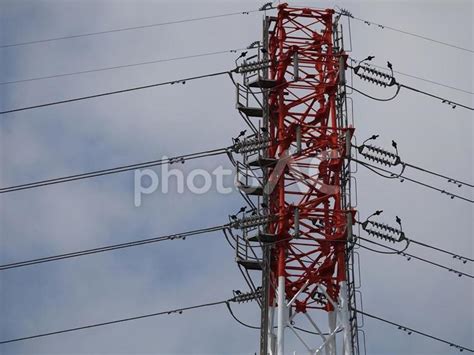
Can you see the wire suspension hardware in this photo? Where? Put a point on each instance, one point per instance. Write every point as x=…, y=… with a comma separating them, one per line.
x=383, y=79
x=387, y=158
x=384, y=231
x=396, y=235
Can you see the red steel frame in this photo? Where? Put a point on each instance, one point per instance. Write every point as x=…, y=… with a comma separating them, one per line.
x=305, y=106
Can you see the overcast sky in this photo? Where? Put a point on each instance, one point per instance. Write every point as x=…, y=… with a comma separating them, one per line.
x=170, y=120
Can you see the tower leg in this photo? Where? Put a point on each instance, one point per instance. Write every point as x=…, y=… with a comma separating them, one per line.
x=282, y=318
x=271, y=334
x=331, y=343
x=347, y=336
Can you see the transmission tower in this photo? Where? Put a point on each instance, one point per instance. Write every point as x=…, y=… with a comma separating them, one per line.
x=295, y=173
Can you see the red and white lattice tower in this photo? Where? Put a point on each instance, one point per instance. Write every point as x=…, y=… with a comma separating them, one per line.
x=307, y=258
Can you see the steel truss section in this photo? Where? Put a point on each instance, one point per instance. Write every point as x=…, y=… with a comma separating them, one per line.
x=302, y=177
x=312, y=223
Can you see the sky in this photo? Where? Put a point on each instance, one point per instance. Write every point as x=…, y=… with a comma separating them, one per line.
x=172, y=120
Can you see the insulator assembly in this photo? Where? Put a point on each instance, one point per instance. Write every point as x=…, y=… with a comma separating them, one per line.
x=383, y=231
x=379, y=155
x=252, y=145
x=252, y=221
x=250, y=67
x=374, y=76
x=247, y=297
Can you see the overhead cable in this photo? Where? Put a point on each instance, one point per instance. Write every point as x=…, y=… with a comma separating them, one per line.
x=402, y=178
x=238, y=299
x=123, y=29
x=409, y=331
x=409, y=256
x=108, y=93
x=134, y=243
x=119, y=169
x=123, y=66
x=344, y=12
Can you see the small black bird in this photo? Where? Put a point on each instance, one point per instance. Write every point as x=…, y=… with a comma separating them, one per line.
x=394, y=144
x=389, y=65
x=399, y=221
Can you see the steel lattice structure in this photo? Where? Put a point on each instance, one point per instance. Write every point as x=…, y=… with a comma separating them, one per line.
x=304, y=229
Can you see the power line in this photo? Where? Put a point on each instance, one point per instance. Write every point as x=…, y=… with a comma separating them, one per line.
x=464, y=259
x=123, y=29
x=119, y=169
x=176, y=236
x=389, y=80
x=411, y=330
x=444, y=100
x=178, y=310
x=456, y=181
x=408, y=255
x=376, y=98
x=346, y=13
x=416, y=77
x=246, y=297
x=108, y=93
x=123, y=66
x=388, y=158
x=402, y=178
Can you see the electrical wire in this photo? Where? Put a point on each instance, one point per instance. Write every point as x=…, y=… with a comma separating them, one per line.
x=177, y=310
x=373, y=168
x=404, y=165
x=354, y=60
x=449, y=102
x=258, y=328
x=123, y=29
x=411, y=330
x=344, y=13
x=241, y=298
x=119, y=169
x=108, y=93
x=237, y=319
x=124, y=66
x=176, y=236
x=439, y=175
x=376, y=98
x=459, y=273
x=464, y=259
